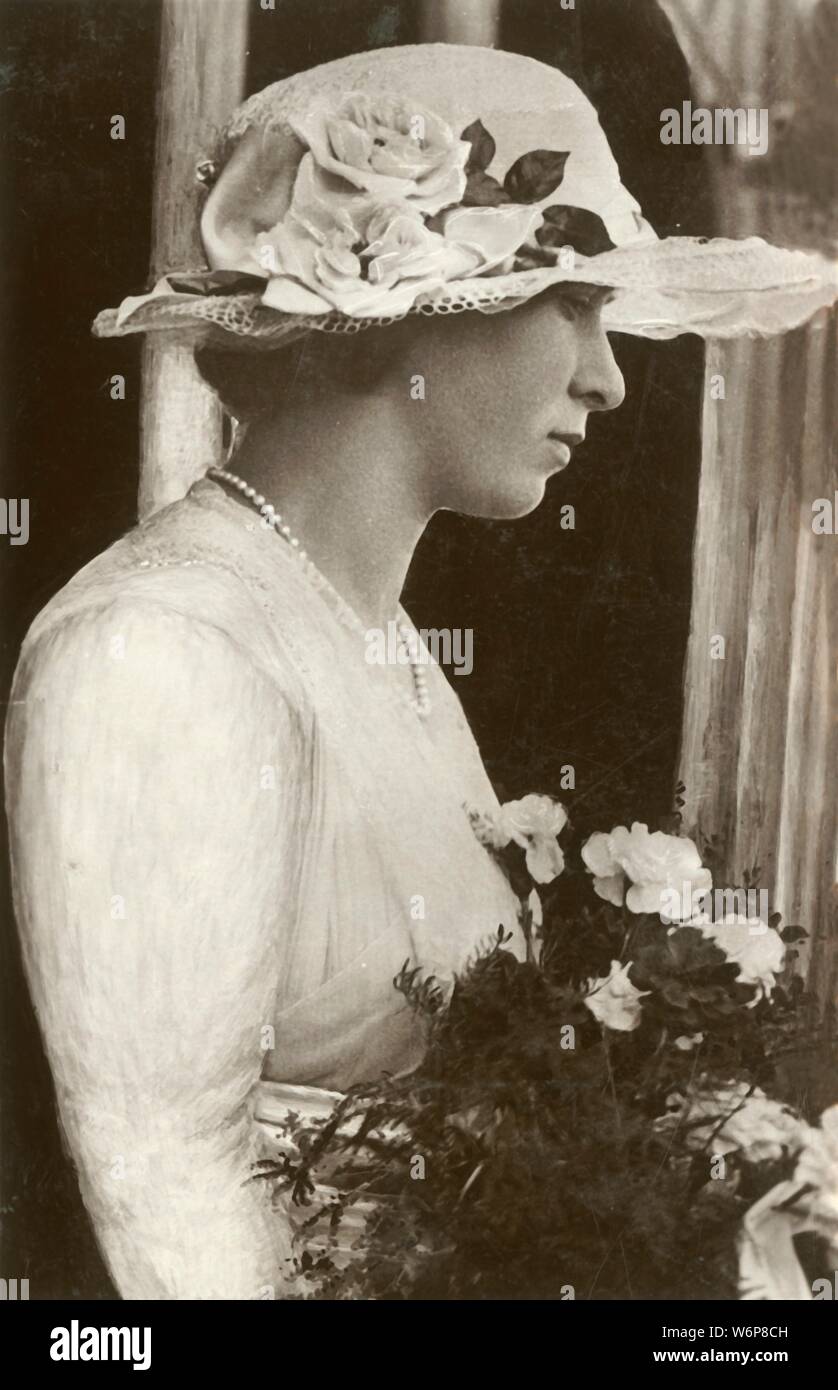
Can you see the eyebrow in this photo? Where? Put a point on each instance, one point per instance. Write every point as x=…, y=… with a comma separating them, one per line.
x=578, y=294
x=595, y=295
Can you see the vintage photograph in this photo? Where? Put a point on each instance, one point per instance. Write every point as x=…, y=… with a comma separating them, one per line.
x=420, y=541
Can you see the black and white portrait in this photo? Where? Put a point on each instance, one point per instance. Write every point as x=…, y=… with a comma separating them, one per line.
x=420, y=529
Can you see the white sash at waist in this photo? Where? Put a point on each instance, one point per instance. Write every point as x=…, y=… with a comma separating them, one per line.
x=273, y=1103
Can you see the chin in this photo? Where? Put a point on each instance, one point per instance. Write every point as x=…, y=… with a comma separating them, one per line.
x=506, y=504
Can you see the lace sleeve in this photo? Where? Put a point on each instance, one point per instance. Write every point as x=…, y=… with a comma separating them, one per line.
x=148, y=868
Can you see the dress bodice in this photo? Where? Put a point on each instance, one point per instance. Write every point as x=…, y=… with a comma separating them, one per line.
x=248, y=831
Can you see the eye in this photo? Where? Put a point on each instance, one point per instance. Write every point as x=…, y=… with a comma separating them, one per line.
x=577, y=301
x=572, y=307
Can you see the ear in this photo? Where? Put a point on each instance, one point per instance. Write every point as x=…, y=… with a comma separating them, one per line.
x=252, y=194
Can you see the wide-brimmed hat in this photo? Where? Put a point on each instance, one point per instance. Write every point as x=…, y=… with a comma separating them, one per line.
x=435, y=178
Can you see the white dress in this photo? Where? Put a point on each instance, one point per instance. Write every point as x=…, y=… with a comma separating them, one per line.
x=228, y=833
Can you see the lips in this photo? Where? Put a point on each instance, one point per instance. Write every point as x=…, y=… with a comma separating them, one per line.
x=565, y=443
x=562, y=450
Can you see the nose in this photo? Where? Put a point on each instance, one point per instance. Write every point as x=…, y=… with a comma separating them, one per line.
x=597, y=381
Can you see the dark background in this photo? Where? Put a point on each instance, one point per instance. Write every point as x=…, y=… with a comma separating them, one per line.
x=579, y=635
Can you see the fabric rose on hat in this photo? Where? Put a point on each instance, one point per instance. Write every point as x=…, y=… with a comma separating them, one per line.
x=665, y=871
x=387, y=147
x=748, y=942
x=356, y=255
x=613, y=1000
x=493, y=234
x=369, y=257
x=734, y=1119
x=399, y=246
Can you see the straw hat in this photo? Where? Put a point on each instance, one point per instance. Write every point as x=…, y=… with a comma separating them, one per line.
x=436, y=178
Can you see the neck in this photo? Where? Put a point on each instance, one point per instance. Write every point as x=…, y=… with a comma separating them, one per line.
x=340, y=472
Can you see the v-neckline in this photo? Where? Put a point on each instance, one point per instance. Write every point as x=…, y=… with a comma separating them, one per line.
x=340, y=609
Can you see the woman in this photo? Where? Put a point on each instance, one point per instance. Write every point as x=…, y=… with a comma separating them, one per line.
x=229, y=828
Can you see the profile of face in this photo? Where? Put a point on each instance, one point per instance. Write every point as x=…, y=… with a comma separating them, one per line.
x=485, y=407
x=498, y=401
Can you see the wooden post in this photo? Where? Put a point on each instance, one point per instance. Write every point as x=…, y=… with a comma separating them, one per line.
x=202, y=68
x=760, y=736
x=461, y=21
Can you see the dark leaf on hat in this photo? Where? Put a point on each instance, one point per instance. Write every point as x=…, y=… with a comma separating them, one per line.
x=483, y=191
x=535, y=175
x=576, y=227
x=531, y=257
x=216, y=282
x=482, y=147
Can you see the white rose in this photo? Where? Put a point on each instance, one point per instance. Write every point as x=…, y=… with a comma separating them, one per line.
x=736, y=1120
x=492, y=235
x=320, y=257
x=613, y=1000
x=609, y=879
x=365, y=257
x=534, y=823
x=400, y=247
x=748, y=942
x=666, y=872
x=388, y=147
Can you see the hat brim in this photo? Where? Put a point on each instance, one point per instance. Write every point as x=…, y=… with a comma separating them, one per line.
x=717, y=289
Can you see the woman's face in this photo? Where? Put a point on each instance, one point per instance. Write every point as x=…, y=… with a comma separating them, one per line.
x=494, y=403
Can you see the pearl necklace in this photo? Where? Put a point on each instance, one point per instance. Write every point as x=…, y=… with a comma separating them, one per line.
x=407, y=636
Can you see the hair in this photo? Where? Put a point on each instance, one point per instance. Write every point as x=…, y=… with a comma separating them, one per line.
x=253, y=384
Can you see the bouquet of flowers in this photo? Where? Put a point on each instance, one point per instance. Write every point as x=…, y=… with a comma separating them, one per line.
x=605, y=1115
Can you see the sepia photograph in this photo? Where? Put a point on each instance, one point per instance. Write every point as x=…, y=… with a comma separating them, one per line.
x=420, y=625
